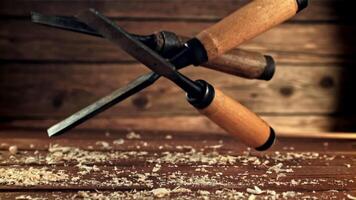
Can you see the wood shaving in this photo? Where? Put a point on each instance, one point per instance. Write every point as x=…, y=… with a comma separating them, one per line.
x=168, y=137
x=30, y=160
x=133, y=135
x=156, y=168
x=256, y=190
x=210, y=158
x=181, y=190
x=119, y=142
x=13, y=149
x=161, y=192
x=28, y=197
x=278, y=168
x=103, y=144
x=349, y=196
x=289, y=194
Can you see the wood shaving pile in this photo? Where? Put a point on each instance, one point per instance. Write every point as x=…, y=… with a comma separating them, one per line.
x=30, y=176
x=210, y=158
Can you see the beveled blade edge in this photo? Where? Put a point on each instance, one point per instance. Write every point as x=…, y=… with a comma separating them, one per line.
x=63, y=22
x=102, y=104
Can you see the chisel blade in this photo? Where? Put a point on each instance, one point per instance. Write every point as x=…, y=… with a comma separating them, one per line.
x=130, y=45
x=104, y=103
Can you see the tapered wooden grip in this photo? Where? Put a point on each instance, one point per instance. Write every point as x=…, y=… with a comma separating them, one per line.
x=247, y=64
x=238, y=121
x=244, y=24
x=243, y=63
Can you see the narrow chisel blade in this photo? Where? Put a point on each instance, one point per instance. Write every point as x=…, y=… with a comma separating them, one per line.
x=104, y=103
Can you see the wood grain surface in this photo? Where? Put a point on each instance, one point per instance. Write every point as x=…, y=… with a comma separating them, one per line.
x=87, y=164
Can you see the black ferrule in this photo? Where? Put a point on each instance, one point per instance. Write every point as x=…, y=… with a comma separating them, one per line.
x=193, y=53
x=269, y=70
x=199, y=54
x=302, y=4
x=170, y=44
x=269, y=142
x=205, y=99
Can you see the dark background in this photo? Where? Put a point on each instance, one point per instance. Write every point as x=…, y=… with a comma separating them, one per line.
x=47, y=74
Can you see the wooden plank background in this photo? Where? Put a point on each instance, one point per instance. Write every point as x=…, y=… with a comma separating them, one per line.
x=47, y=74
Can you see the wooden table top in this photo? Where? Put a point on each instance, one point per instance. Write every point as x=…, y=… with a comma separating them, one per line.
x=101, y=164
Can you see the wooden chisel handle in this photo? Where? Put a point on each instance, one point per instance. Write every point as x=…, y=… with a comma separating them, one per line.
x=247, y=22
x=247, y=64
x=234, y=118
x=238, y=62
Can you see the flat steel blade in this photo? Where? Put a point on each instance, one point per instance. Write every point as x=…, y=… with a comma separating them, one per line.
x=63, y=22
x=104, y=103
x=125, y=41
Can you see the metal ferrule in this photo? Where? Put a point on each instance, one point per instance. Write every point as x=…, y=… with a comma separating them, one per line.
x=193, y=53
x=302, y=4
x=208, y=94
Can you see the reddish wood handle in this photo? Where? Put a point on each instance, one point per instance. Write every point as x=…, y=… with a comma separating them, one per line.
x=246, y=23
x=239, y=121
x=247, y=64
x=243, y=63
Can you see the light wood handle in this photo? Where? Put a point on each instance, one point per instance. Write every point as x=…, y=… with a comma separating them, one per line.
x=247, y=64
x=239, y=121
x=247, y=22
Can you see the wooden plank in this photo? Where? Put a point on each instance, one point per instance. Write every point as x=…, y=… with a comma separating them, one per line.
x=290, y=172
x=150, y=140
x=214, y=194
x=318, y=10
x=235, y=177
x=281, y=123
x=146, y=194
x=300, y=44
x=129, y=158
x=294, y=90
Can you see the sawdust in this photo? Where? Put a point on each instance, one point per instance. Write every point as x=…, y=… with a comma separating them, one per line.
x=210, y=158
x=201, y=160
x=30, y=176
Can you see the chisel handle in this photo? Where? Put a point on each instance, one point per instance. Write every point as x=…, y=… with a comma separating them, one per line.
x=234, y=118
x=247, y=22
x=242, y=63
x=238, y=62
